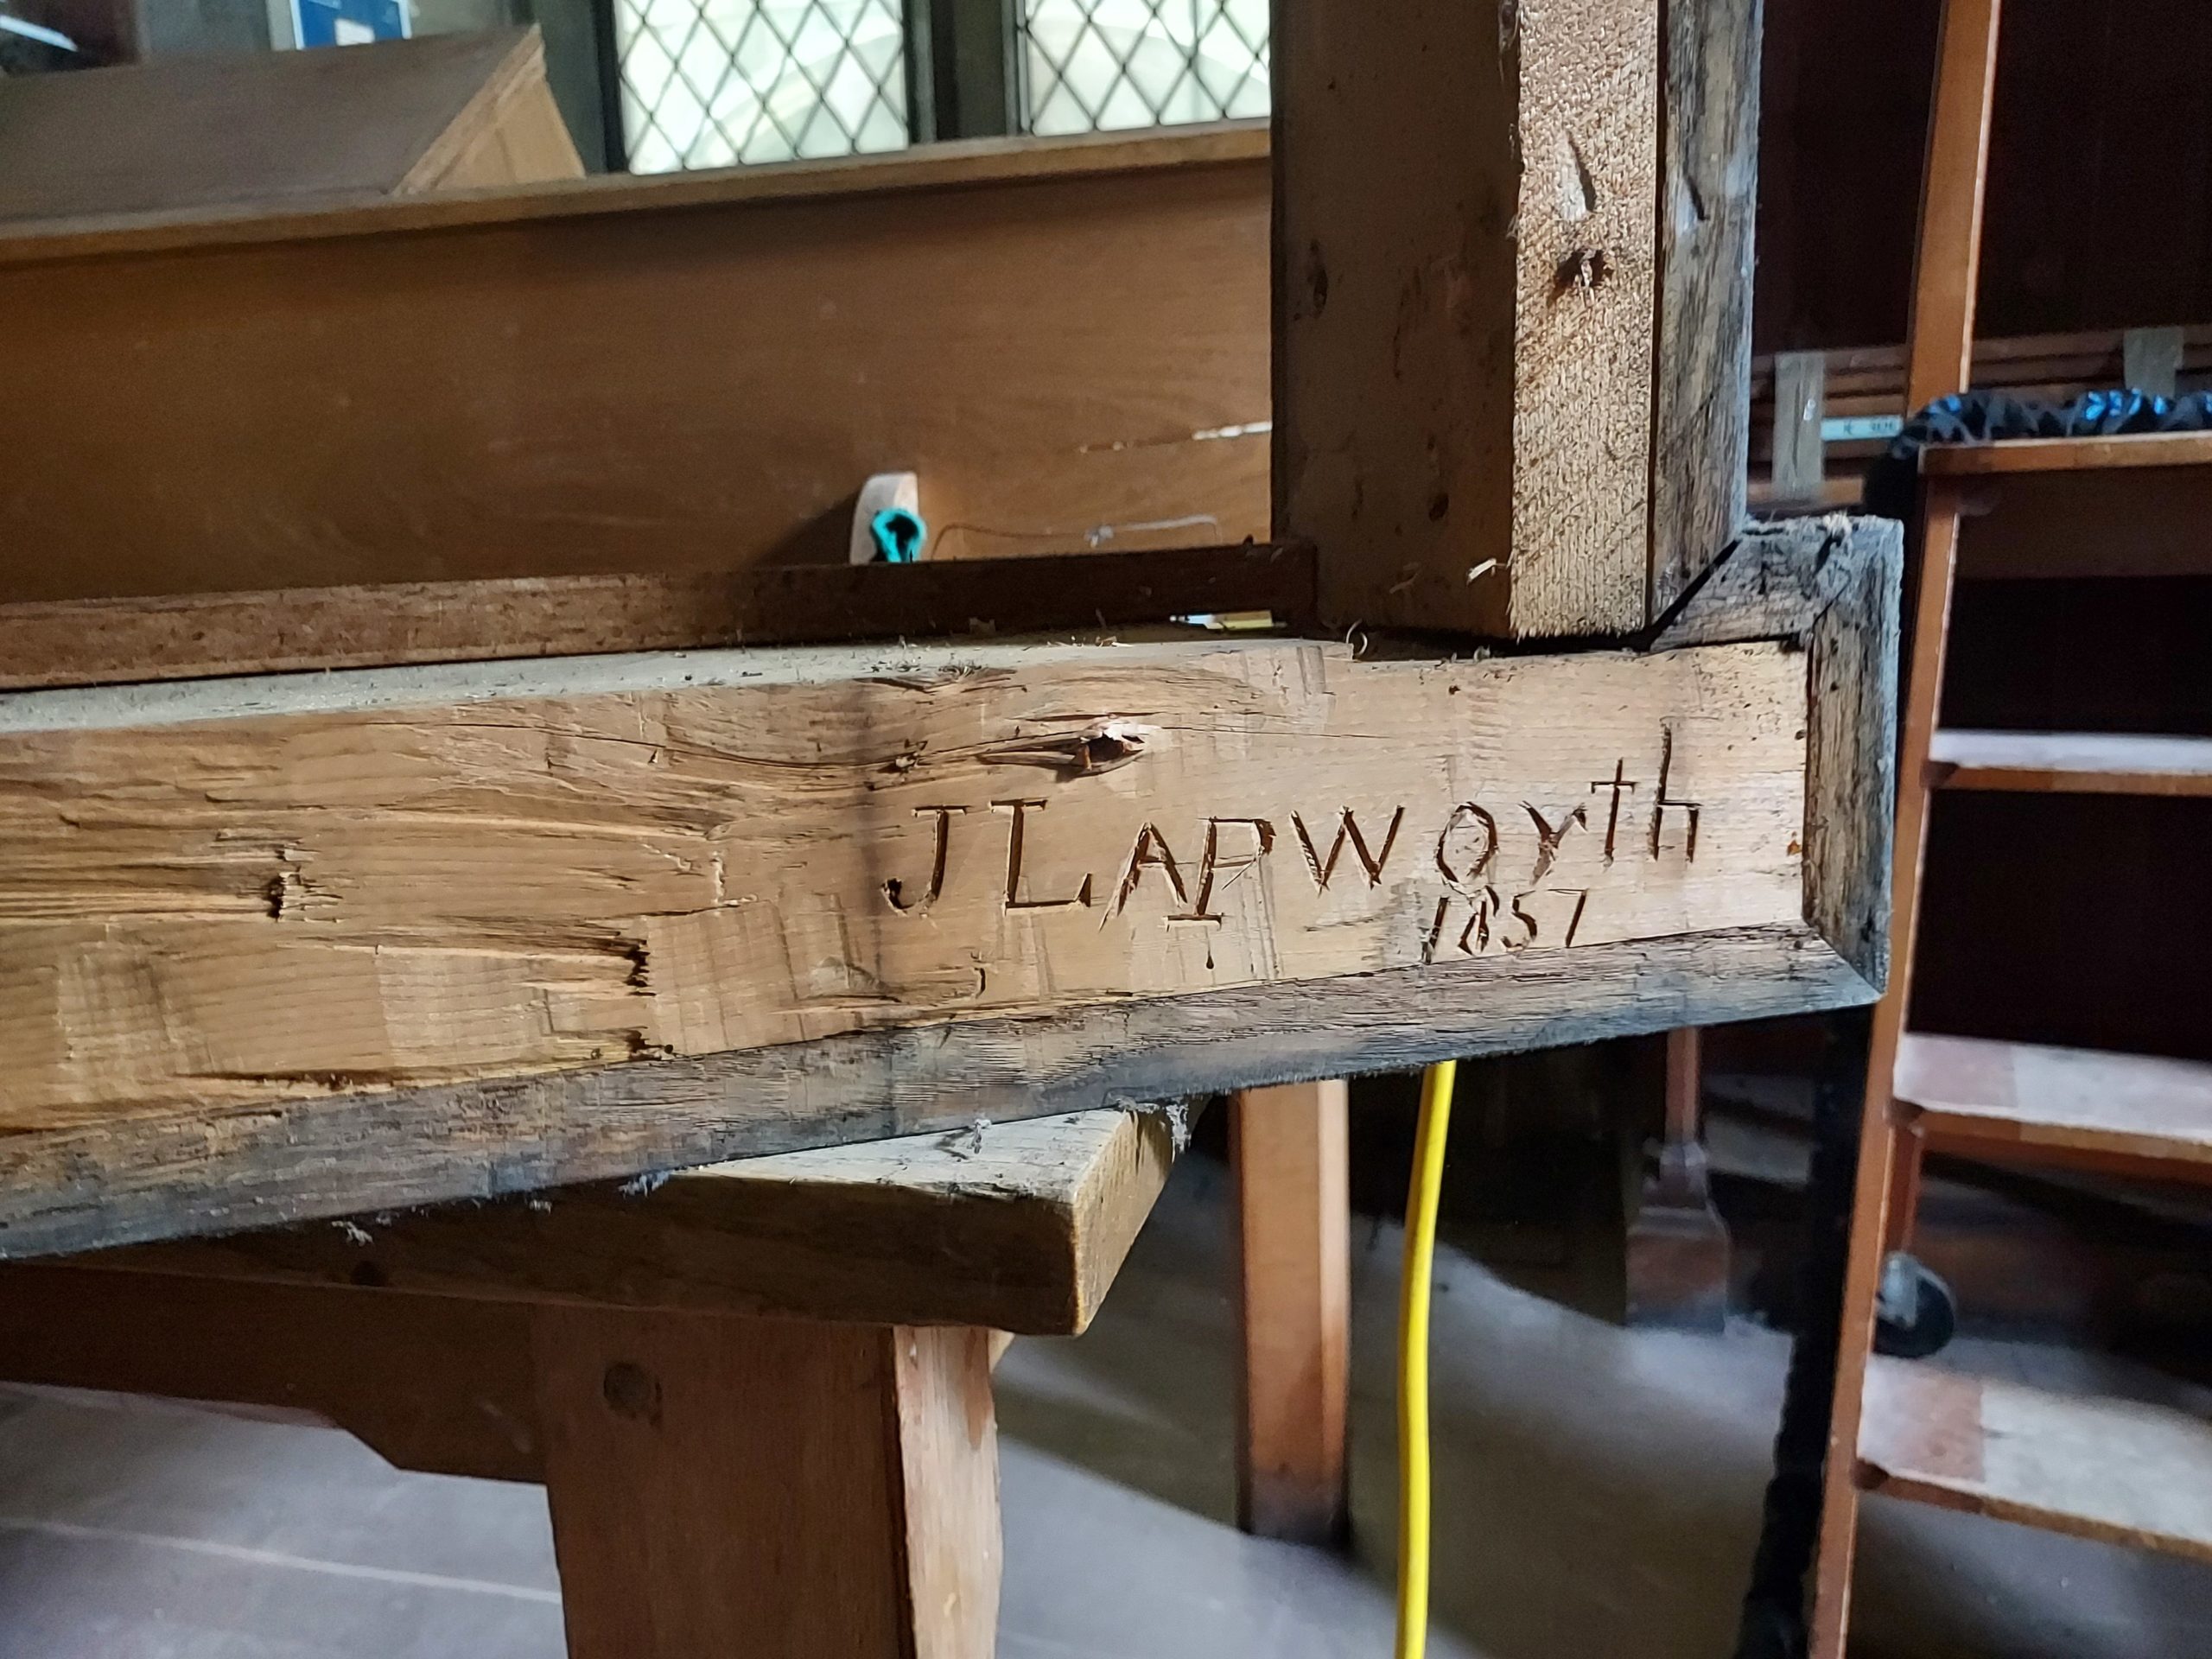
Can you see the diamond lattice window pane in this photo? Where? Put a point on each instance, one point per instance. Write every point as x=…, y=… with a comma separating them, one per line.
x=1096, y=65
x=710, y=83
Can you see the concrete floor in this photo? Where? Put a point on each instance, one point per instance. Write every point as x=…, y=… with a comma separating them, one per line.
x=1598, y=1495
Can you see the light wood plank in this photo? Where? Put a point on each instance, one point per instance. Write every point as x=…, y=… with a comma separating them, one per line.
x=2067, y=455
x=1800, y=404
x=723, y=1485
x=2096, y=1468
x=1290, y=1148
x=2037, y=1100
x=1015, y=1227
x=401, y=877
x=428, y=1383
x=2072, y=763
x=1823, y=593
x=1467, y=310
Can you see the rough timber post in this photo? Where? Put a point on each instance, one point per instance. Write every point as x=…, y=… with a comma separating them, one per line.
x=1511, y=290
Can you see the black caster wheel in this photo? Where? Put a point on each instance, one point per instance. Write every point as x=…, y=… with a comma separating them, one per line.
x=1917, y=1315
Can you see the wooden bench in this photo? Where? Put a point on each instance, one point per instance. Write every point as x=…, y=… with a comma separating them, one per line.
x=759, y=1395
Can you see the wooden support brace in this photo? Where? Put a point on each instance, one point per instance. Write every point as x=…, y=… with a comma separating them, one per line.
x=1800, y=408
x=730, y=1485
x=1678, y=1246
x=719, y=1483
x=1289, y=1146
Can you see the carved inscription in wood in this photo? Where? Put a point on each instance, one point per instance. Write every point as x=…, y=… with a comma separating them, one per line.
x=354, y=880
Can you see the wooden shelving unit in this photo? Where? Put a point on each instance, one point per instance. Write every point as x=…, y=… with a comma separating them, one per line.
x=2095, y=1468
x=1912, y=1429
x=2024, y=1100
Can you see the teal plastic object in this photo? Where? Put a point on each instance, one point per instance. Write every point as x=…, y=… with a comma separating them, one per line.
x=899, y=536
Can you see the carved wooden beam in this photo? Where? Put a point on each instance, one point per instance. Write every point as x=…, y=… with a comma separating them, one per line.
x=276, y=948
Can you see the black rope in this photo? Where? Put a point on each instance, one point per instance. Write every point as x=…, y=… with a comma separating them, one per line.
x=1987, y=416
x=1774, y=1620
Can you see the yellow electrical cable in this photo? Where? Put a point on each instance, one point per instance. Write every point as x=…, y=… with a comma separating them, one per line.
x=1413, y=1358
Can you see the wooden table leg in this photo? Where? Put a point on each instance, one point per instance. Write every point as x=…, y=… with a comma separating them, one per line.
x=1678, y=1247
x=1293, y=1218
x=723, y=1485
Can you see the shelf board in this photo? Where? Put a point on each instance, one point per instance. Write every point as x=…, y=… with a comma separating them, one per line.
x=2066, y=454
x=2070, y=763
x=2051, y=1103
x=2095, y=1467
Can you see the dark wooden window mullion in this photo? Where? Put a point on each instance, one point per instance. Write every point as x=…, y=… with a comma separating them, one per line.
x=967, y=47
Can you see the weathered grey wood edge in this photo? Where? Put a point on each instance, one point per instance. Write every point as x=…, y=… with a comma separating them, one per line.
x=360, y=1153
x=1851, y=751
x=1774, y=582
x=1708, y=201
x=994, y=1249
x=1832, y=583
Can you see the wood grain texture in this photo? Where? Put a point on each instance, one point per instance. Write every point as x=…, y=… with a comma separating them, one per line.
x=187, y=132
x=2128, y=1473
x=2070, y=763
x=2035, y=1101
x=241, y=892
x=1946, y=270
x=678, y=377
x=1290, y=1148
x=1018, y=1226
x=726, y=1485
x=968, y=165
x=195, y=636
x=1852, y=767
x=1833, y=586
x=297, y=1149
x=2067, y=455
x=1882, y=1203
x=1775, y=582
x=2055, y=526
x=1800, y=406
x=1466, y=251
x=1701, y=442
x=428, y=1383
x=75, y=1189
x=512, y=133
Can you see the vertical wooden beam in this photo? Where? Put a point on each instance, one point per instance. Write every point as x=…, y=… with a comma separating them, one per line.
x=1293, y=1208
x=1678, y=1246
x=1940, y=362
x=1949, y=265
x=1799, y=405
x=725, y=1485
x=1881, y=1184
x=1466, y=272
x=1708, y=204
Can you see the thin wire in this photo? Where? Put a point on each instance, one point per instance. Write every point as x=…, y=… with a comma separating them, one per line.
x=1413, y=1358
